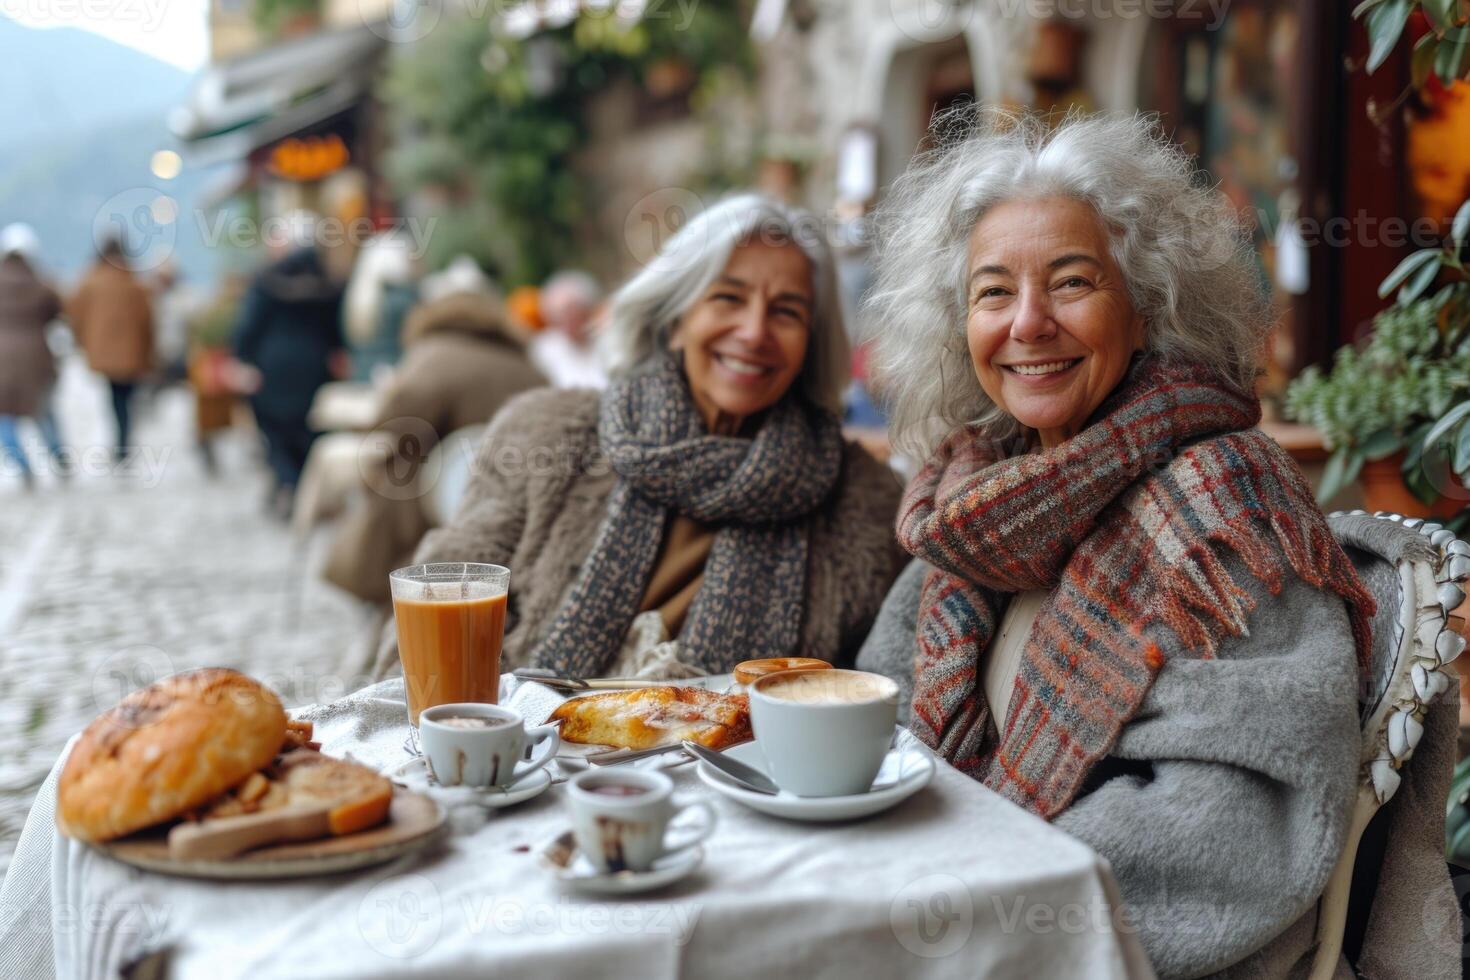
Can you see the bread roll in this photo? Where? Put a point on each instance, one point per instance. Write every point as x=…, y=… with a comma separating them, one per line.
x=166, y=749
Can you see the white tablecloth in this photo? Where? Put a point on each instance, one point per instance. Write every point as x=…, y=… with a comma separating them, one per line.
x=955, y=882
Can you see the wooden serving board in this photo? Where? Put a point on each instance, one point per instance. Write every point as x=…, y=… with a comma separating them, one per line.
x=414, y=822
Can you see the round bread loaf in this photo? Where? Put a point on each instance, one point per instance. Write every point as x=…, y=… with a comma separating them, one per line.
x=166, y=749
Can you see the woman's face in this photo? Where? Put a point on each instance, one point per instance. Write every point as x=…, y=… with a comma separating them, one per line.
x=745, y=339
x=1051, y=329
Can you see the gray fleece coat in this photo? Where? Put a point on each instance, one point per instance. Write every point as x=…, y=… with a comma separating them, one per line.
x=1234, y=789
x=539, y=496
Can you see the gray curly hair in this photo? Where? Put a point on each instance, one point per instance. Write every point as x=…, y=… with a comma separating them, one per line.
x=647, y=308
x=1183, y=252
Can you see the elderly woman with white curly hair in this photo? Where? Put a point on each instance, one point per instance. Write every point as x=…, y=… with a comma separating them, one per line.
x=1127, y=613
x=705, y=509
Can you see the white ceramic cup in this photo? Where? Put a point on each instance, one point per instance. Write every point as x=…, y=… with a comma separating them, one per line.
x=485, y=756
x=823, y=732
x=626, y=832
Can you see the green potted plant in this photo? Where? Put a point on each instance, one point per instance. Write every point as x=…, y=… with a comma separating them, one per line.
x=1396, y=410
x=287, y=18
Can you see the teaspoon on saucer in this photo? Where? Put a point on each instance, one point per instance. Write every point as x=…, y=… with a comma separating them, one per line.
x=747, y=776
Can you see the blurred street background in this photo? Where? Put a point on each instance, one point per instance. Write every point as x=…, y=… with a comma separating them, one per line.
x=230, y=230
x=117, y=579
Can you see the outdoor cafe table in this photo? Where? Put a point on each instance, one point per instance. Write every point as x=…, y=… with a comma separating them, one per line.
x=954, y=882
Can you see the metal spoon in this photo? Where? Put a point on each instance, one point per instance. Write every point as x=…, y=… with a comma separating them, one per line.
x=747, y=776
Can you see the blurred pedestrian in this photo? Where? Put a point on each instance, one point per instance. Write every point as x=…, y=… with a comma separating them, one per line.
x=378, y=298
x=176, y=302
x=209, y=362
x=27, y=369
x=112, y=317
x=463, y=359
x=564, y=348
x=290, y=331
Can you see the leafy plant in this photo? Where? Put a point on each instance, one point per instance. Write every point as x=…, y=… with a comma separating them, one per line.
x=1408, y=388
x=493, y=124
x=1442, y=51
x=271, y=15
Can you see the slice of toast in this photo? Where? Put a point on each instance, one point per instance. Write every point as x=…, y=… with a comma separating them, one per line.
x=357, y=797
x=655, y=716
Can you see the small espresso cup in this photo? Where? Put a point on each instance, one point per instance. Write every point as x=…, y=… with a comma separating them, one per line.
x=482, y=745
x=823, y=732
x=620, y=817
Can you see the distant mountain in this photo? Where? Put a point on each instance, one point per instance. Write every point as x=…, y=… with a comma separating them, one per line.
x=81, y=119
x=63, y=81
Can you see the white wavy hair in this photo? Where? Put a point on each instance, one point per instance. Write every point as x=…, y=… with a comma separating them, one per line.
x=646, y=310
x=1181, y=248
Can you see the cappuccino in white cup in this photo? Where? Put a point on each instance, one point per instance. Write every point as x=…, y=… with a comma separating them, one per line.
x=823, y=732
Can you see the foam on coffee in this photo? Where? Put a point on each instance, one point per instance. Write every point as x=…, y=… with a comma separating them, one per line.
x=827, y=687
x=475, y=721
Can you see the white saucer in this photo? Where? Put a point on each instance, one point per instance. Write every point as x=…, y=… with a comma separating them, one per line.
x=526, y=788
x=906, y=770
x=571, y=867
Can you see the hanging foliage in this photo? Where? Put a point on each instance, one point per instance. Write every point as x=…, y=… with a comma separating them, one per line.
x=489, y=124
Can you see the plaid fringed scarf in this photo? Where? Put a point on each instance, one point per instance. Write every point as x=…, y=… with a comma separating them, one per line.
x=1125, y=522
x=759, y=490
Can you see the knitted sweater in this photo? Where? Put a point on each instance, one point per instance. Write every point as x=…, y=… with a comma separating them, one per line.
x=1225, y=800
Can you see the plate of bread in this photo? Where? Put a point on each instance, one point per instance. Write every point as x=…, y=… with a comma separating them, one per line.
x=203, y=775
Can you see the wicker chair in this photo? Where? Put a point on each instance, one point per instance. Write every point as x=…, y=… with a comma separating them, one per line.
x=1414, y=568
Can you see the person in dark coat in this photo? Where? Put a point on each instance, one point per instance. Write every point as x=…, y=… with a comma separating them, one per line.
x=27, y=369
x=290, y=330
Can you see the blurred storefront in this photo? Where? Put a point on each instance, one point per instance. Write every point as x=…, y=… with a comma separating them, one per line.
x=294, y=106
x=616, y=120
x=1265, y=93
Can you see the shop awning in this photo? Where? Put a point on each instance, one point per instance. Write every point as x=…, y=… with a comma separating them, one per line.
x=248, y=102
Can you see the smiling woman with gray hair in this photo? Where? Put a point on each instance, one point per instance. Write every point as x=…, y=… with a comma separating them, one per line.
x=1126, y=613
x=705, y=509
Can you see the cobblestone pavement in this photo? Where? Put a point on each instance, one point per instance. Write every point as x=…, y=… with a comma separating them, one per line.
x=118, y=578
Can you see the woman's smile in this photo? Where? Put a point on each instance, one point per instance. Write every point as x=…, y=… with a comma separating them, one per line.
x=742, y=370
x=1043, y=373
